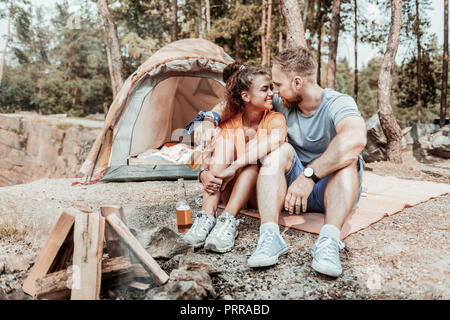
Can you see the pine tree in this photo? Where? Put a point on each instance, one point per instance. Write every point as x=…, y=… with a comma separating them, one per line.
x=444, y=85
x=112, y=47
x=388, y=122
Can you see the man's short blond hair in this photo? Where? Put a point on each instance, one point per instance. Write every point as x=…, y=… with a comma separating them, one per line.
x=298, y=60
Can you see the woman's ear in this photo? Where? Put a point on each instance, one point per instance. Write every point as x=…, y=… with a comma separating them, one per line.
x=245, y=97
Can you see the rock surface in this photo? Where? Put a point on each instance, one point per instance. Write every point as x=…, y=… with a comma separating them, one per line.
x=34, y=147
x=417, y=135
x=440, y=143
x=163, y=242
x=14, y=263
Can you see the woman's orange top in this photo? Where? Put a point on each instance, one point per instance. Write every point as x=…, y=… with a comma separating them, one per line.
x=233, y=128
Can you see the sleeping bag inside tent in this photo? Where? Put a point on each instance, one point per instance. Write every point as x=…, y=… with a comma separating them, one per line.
x=140, y=139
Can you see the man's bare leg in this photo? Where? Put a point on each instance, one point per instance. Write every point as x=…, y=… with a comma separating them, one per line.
x=271, y=186
x=340, y=194
x=271, y=191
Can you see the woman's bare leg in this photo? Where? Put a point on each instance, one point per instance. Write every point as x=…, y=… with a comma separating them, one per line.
x=243, y=188
x=222, y=158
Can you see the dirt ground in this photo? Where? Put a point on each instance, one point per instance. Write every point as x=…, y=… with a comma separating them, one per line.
x=404, y=256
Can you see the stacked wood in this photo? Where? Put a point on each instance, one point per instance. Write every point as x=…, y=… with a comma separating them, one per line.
x=71, y=263
x=47, y=260
x=87, y=256
x=56, y=286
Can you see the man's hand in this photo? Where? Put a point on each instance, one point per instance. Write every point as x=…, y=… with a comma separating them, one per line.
x=210, y=182
x=297, y=195
x=204, y=133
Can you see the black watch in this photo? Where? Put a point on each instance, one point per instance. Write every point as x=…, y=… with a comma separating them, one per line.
x=309, y=173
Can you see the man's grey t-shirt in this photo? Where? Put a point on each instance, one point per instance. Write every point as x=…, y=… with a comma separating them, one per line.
x=310, y=135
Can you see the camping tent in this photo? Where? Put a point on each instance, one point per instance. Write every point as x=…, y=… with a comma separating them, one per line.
x=155, y=103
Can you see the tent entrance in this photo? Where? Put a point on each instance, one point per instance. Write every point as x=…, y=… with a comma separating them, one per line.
x=164, y=112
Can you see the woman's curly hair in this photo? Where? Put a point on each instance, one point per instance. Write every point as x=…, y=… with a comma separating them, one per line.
x=238, y=78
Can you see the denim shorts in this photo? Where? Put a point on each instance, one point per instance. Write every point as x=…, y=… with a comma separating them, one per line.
x=315, y=199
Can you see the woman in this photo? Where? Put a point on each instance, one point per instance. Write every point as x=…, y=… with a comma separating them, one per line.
x=251, y=134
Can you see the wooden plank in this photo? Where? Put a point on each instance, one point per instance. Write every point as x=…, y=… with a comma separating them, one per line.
x=88, y=239
x=50, y=251
x=64, y=257
x=55, y=286
x=140, y=272
x=144, y=257
x=114, y=246
x=139, y=285
x=101, y=240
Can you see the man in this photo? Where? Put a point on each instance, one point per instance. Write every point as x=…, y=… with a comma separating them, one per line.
x=319, y=169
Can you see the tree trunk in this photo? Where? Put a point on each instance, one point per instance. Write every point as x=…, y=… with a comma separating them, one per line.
x=295, y=33
x=444, y=68
x=355, y=82
x=112, y=46
x=280, y=41
x=319, y=54
x=305, y=13
x=335, y=24
x=174, y=20
x=237, y=37
x=201, y=24
x=263, y=34
x=269, y=31
x=2, y=68
x=319, y=42
x=419, y=66
x=208, y=15
x=388, y=122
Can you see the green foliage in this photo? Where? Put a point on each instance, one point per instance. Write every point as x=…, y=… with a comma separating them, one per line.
x=60, y=67
x=57, y=64
x=406, y=84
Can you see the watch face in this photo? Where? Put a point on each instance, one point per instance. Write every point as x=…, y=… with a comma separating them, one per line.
x=308, y=172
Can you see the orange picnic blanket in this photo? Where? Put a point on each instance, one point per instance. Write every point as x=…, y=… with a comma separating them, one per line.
x=385, y=196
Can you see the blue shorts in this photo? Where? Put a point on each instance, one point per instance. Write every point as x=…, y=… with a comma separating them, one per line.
x=315, y=199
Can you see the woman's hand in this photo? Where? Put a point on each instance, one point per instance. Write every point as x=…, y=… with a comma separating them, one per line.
x=227, y=175
x=211, y=184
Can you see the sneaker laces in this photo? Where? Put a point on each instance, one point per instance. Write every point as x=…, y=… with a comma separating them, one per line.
x=326, y=246
x=199, y=223
x=221, y=226
x=265, y=241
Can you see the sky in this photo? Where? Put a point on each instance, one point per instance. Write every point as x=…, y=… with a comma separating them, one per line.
x=345, y=45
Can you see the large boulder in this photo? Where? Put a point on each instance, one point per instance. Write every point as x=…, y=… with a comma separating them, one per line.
x=440, y=143
x=375, y=149
x=191, y=281
x=163, y=242
x=419, y=135
x=34, y=146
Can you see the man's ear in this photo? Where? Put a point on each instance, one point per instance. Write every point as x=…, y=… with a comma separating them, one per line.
x=244, y=96
x=298, y=82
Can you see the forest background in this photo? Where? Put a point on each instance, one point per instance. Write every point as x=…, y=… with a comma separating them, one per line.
x=55, y=56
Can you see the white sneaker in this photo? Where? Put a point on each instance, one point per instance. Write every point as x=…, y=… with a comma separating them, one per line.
x=200, y=229
x=270, y=246
x=325, y=254
x=221, y=238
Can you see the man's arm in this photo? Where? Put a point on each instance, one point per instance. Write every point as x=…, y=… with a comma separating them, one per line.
x=204, y=133
x=344, y=148
x=222, y=109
